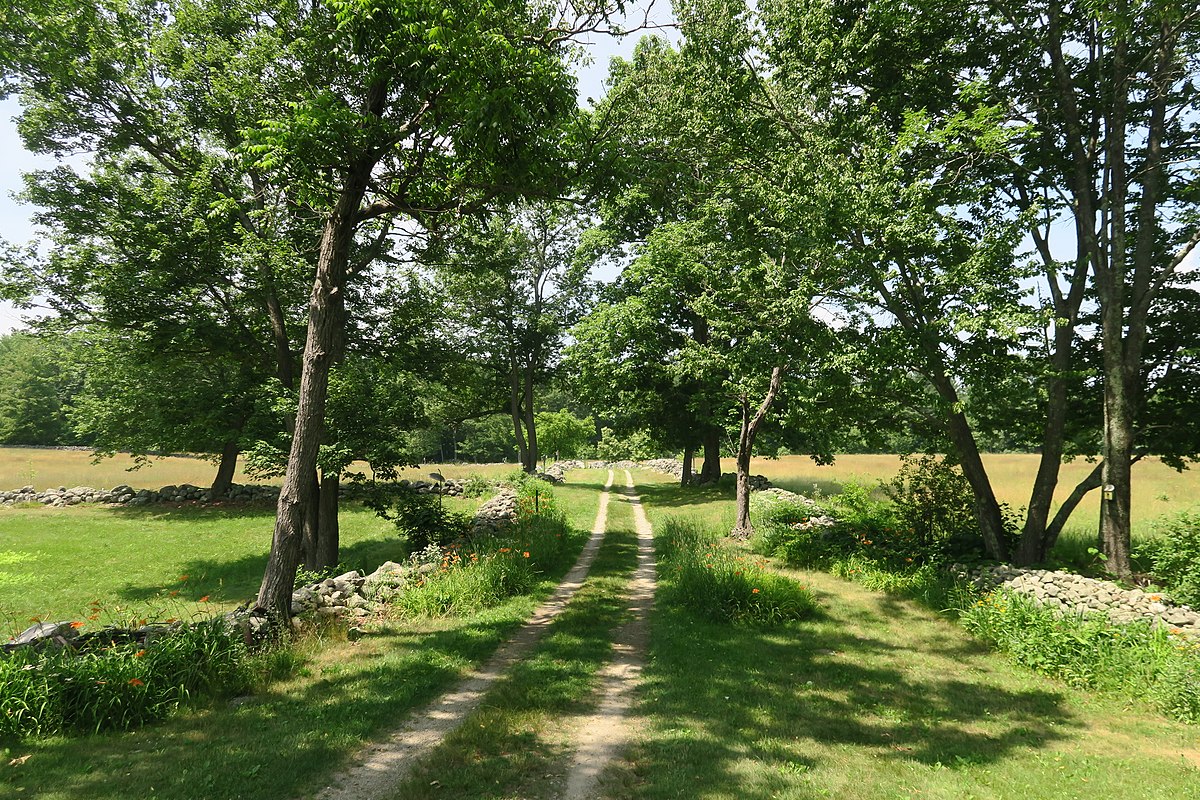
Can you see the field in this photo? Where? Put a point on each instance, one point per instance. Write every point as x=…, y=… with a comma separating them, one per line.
x=1157, y=489
x=45, y=469
x=874, y=697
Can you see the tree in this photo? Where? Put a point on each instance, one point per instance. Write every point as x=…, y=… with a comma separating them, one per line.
x=418, y=110
x=1109, y=94
x=736, y=256
x=36, y=391
x=564, y=434
x=514, y=287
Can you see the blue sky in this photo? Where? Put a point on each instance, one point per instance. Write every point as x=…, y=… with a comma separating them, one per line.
x=15, y=223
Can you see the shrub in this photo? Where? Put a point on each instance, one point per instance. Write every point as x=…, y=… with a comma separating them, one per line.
x=486, y=570
x=1091, y=652
x=934, y=510
x=927, y=583
x=121, y=686
x=476, y=486
x=423, y=519
x=1174, y=556
x=704, y=574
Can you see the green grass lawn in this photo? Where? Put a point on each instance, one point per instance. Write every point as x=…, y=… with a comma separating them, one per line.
x=288, y=739
x=157, y=560
x=876, y=698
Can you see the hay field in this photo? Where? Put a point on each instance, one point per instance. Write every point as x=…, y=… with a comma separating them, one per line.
x=46, y=469
x=1157, y=489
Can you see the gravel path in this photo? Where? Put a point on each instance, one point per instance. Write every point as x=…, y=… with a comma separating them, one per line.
x=382, y=767
x=602, y=735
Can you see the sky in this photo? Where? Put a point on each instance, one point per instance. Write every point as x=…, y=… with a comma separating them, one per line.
x=15, y=218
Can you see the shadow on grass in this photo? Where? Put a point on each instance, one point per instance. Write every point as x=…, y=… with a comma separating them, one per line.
x=238, y=579
x=275, y=745
x=717, y=695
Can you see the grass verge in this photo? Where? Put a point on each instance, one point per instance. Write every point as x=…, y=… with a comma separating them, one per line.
x=517, y=744
x=333, y=697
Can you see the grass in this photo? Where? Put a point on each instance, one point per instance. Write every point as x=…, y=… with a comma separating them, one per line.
x=517, y=744
x=156, y=561
x=877, y=698
x=286, y=740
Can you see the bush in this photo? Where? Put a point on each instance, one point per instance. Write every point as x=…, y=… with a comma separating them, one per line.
x=934, y=510
x=476, y=486
x=1174, y=556
x=796, y=530
x=485, y=571
x=118, y=687
x=422, y=519
x=702, y=573
x=1091, y=652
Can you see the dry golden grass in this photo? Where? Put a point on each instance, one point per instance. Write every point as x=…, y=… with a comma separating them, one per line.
x=45, y=469
x=1157, y=489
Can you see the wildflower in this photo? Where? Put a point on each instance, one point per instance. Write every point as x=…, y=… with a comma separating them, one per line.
x=139, y=654
x=525, y=554
x=77, y=625
x=754, y=591
x=203, y=599
x=136, y=682
x=183, y=578
x=505, y=549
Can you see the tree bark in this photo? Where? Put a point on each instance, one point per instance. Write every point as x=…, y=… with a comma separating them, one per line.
x=312, y=526
x=1092, y=481
x=328, y=533
x=689, y=453
x=743, y=528
x=531, y=464
x=710, y=470
x=514, y=404
x=225, y=469
x=326, y=311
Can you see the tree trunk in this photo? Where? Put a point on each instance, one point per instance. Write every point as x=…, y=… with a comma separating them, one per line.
x=987, y=509
x=710, y=470
x=326, y=316
x=530, y=425
x=1118, y=451
x=311, y=537
x=514, y=407
x=328, y=533
x=225, y=469
x=743, y=528
x=1092, y=481
x=686, y=478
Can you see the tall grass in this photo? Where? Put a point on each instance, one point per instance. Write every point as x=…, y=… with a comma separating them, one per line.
x=119, y=686
x=1136, y=659
x=702, y=572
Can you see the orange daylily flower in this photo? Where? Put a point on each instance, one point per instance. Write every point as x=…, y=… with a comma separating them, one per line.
x=136, y=682
x=77, y=625
x=203, y=599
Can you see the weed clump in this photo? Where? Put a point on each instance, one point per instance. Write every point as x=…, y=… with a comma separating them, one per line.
x=121, y=686
x=704, y=574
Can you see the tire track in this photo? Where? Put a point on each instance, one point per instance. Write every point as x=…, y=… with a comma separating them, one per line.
x=385, y=765
x=602, y=735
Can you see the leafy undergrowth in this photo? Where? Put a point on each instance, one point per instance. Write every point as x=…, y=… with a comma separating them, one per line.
x=702, y=572
x=121, y=686
x=485, y=571
x=1135, y=659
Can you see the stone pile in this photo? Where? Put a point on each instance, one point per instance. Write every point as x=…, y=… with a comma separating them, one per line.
x=496, y=514
x=1076, y=594
x=128, y=496
x=758, y=483
x=818, y=518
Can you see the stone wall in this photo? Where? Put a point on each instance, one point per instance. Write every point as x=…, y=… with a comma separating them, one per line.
x=1075, y=594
